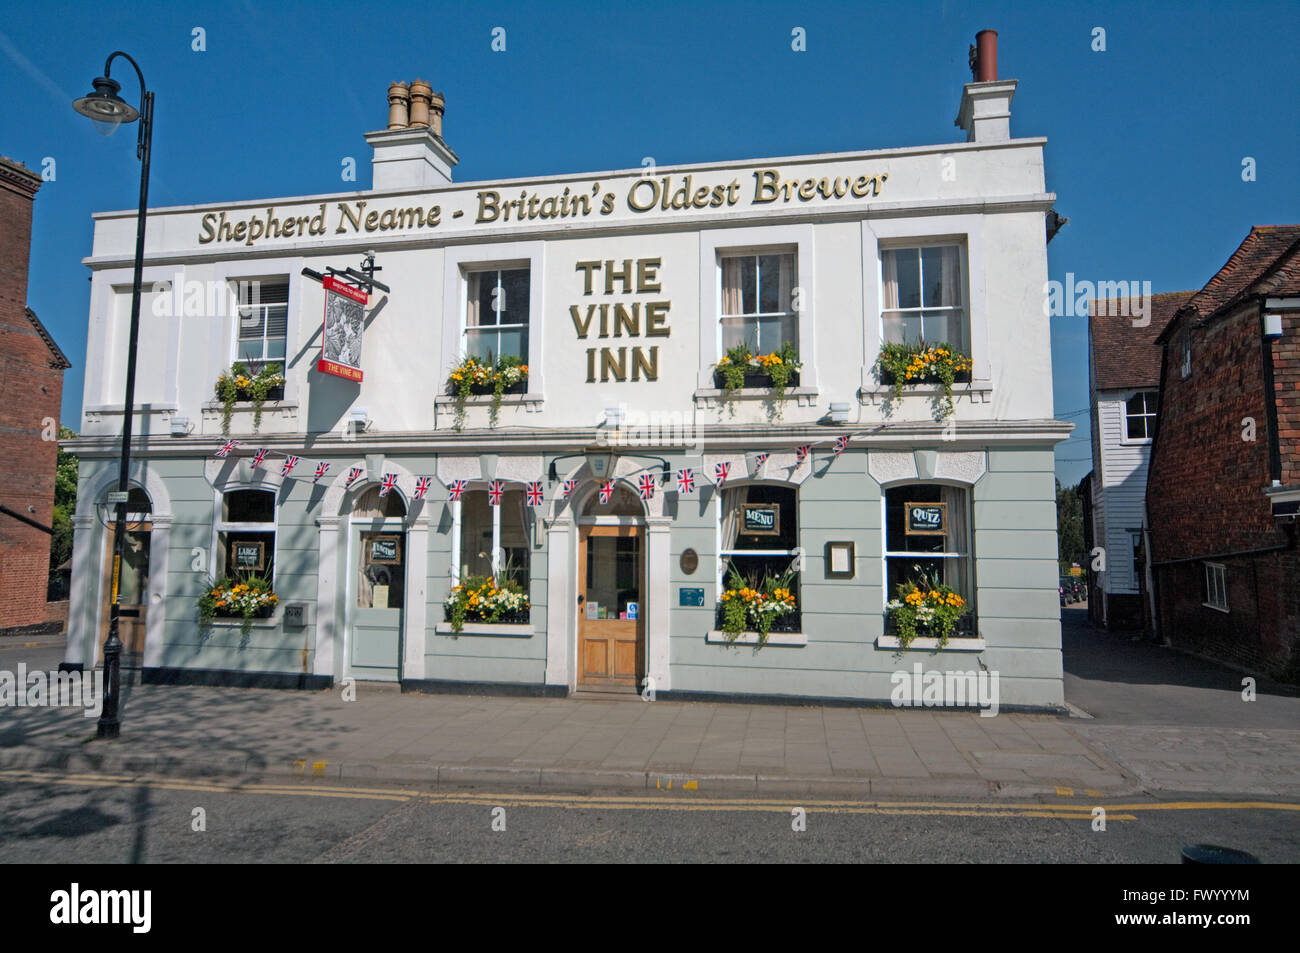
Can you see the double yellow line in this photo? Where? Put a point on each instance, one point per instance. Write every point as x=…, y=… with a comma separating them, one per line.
x=1075, y=811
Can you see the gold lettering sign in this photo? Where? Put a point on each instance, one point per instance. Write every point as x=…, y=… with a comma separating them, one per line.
x=621, y=318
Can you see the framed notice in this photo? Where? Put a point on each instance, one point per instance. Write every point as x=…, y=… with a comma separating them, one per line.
x=760, y=519
x=249, y=556
x=840, y=560
x=926, y=519
x=345, y=319
x=385, y=550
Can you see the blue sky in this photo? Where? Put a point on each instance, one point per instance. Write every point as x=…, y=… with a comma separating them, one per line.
x=1145, y=140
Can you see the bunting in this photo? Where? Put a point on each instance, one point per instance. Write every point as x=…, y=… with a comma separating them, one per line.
x=259, y=457
x=646, y=486
x=289, y=463
x=422, y=487
x=389, y=482
x=495, y=491
x=720, y=471
x=686, y=481
x=225, y=450
x=352, y=477
x=535, y=493
x=606, y=491
x=569, y=487
x=456, y=489
x=801, y=453
x=840, y=443
x=321, y=470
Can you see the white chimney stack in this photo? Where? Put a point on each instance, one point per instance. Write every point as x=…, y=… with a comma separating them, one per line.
x=410, y=153
x=985, y=111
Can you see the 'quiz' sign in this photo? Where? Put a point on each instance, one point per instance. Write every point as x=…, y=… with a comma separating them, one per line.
x=926, y=519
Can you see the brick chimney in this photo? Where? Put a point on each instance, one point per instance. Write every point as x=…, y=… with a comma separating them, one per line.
x=985, y=111
x=410, y=153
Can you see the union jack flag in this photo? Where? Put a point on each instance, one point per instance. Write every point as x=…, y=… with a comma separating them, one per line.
x=646, y=486
x=225, y=451
x=352, y=476
x=801, y=454
x=259, y=457
x=760, y=459
x=495, y=491
x=456, y=489
x=422, y=487
x=686, y=480
x=535, y=493
x=606, y=491
x=569, y=487
x=389, y=482
x=289, y=463
x=720, y=471
x=840, y=443
x=321, y=470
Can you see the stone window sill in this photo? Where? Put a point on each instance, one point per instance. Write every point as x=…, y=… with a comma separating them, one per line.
x=487, y=628
x=713, y=397
x=925, y=644
x=975, y=390
x=529, y=401
x=718, y=637
x=214, y=407
x=226, y=622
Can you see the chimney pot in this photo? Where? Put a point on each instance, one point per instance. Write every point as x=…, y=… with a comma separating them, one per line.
x=421, y=94
x=986, y=56
x=399, y=101
x=437, y=105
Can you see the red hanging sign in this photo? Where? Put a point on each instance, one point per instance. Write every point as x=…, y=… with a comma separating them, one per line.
x=345, y=319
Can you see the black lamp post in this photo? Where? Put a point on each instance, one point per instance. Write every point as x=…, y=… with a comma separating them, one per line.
x=109, y=110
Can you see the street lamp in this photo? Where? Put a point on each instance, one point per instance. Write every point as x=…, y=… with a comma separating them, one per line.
x=108, y=110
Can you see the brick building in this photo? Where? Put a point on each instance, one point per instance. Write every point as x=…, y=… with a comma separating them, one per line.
x=1224, y=485
x=31, y=389
x=1124, y=390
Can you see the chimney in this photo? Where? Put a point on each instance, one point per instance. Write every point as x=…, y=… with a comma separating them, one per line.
x=410, y=153
x=985, y=111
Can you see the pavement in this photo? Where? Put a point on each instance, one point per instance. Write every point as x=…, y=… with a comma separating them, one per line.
x=581, y=743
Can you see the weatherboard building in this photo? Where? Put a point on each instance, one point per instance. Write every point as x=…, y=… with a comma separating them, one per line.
x=675, y=463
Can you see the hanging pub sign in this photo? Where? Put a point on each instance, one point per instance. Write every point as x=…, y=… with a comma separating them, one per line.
x=927, y=519
x=760, y=519
x=345, y=318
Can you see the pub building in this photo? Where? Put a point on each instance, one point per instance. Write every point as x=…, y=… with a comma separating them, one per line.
x=675, y=461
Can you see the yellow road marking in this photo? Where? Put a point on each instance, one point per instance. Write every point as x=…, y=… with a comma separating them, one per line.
x=1074, y=811
x=1064, y=792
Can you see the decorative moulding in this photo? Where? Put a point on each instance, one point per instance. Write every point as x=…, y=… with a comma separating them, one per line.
x=891, y=466
x=964, y=467
x=487, y=628
x=718, y=637
x=926, y=644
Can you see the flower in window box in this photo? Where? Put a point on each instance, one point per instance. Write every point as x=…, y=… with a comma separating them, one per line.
x=924, y=604
x=749, y=603
x=904, y=365
x=248, y=599
x=471, y=376
x=239, y=383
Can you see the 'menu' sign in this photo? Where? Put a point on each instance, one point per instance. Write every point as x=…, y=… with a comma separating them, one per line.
x=621, y=318
x=927, y=519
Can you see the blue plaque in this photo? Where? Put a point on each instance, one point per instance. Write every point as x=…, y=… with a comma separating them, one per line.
x=687, y=596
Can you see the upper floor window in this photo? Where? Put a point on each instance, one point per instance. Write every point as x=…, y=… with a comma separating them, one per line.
x=925, y=297
x=1140, y=416
x=496, y=318
x=758, y=301
x=1215, y=594
x=1185, y=353
x=263, y=319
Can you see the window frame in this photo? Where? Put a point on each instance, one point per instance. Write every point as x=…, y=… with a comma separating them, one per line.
x=472, y=271
x=459, y=262
x=745, y=317
x=1216, y=582
x=1151, y=403
x=458, y=532
x=965, y=230
x=723, y=556
x=239, y=284
x=221, y=525
x=223, y=337
x=887, y=554
x=901, y=245
x=717, y=242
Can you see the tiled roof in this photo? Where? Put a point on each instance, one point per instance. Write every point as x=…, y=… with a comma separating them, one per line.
x=1264, y=263
x=1123, y=355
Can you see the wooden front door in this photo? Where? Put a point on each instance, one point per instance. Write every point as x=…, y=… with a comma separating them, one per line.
x=133, y=591
x=611, y=610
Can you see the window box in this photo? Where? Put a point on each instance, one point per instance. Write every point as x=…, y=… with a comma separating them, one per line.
x=958, y=643
x=754, y=378
x=791, y=622
x=719, y=637
x=960, y=377
x=248, y=384
x=502, y=629
x=519, y=617
x=475, y=377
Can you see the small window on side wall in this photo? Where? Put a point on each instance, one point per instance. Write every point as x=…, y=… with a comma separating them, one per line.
x=1140, y=416
x=1216, y=586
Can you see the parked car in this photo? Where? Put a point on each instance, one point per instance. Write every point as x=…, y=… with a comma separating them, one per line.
x=1071, y=590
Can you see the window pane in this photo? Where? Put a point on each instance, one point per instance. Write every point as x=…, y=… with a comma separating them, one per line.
x=941, y=272
x=249, y=506
x=250, y=323
x=896, y=538
x=226, y=543
x=275, y=349
x=748, y=285
x=1136, y=404
x=261, y=291
x=770, y=286
x=945, y=327
x=277, y=321
x=482, y=289
x=513, y=342
x=787, y=517
x=613, y=572
x=481, y=344
x=475, y=534
x=514, y=297
x=903, y=328
x=514, y=537
x=773, y=332
x=908, y=264
x=381, y=585
x=737, y=331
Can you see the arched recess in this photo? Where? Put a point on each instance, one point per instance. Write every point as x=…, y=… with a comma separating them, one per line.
x=87, y=597
x=331, y=612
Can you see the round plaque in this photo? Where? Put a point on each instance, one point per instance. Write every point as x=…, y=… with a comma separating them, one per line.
x=690, y=561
